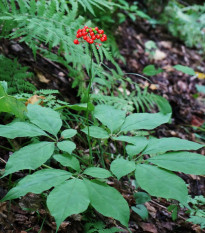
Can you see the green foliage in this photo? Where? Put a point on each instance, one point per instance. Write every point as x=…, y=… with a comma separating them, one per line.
x=93, y=5
x=186, y=22
x=141, y=210
x=150, y=70
x=158, y=181
x=54, y=24
x=10, y=104
x=121, y=167
x=140, y=101
x=48, y=26
x=200, y=88
x=15, y=75
x=196, y=211
x=185, y=69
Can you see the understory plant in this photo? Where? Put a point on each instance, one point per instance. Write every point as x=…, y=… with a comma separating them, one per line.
x=79, y=183
x=52, y=152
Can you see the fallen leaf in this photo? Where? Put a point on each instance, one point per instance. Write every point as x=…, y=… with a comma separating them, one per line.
x=197, y=121
x=166, y=44
x=159, y=55
x=153, y=87
x=152, y=211
x=168, y=68
x=34, y=99
x=200, y=75
x=42, y=78
x=148, y=227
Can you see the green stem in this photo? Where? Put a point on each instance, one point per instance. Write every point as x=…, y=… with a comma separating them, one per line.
x=46, y=166
x=6, y=148
x=87, y=110
x=12, y=145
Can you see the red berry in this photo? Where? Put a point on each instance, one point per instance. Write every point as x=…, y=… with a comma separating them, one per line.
x=93, y=37
x=85, y=38
x=91, y=41
x=92, y=33
x=76, y=41
x=105, y=37
x=100, y=31
x=90, y=30
x=96, y=28
x=79, y=30
x=102, y=39
x=84, y=33
x=98, y=36
x=86, y=27
x=78, y=36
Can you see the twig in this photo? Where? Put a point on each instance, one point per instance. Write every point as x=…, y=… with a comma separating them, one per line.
x=155, y=203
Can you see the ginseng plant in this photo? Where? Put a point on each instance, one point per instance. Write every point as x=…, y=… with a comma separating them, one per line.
x=90, y=36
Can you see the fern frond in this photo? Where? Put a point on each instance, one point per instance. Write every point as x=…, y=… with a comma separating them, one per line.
x=15, y=75
x=47, y=92
x=91, y=4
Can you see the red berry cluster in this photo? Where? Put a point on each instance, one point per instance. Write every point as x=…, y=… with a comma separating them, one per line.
x=90, y=35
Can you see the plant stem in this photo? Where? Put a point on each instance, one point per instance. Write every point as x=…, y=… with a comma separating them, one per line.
x=6, y=148
x=87, y=110
x=46, y=166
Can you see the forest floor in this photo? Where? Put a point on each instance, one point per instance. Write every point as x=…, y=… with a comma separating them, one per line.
x=178, y=88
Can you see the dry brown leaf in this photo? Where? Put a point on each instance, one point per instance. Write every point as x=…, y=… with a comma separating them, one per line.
x=159, y=55
x=42, y=78
x=168, y=68
x=153, y=87
x=148, y=227
x=34, y=99
x=166, y=44
x=152, y=211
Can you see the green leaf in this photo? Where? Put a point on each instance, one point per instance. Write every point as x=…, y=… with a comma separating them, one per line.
x=185, y=69
x=174, y=210
x=150, y=70
x=29, y=157
x=147, y=121
x=97, y=172
x=96, y=132
x=66, y=146
x=161, y=183
x=109, y=116
x=140, y=144
x=108, y=201
x=70, y=197
x=68, y=133
x=149, y=45
x=190, y=163
x=200, y=88
x=82, y=107
x=121, y=167
x=68, y=161
x=136, y=140
x=11, y=105
x=167, y=144
x=197, y=220
x=38, y=182
x=141, y=197
x=141, y=210
x=20, y=129
x=45, y=118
